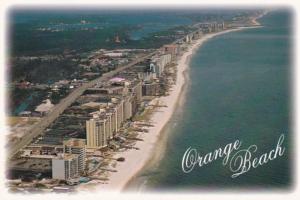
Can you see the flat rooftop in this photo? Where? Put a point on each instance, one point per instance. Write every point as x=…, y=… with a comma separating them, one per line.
x=75, y=142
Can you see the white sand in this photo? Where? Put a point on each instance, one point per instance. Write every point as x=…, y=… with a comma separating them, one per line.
x=137, y=159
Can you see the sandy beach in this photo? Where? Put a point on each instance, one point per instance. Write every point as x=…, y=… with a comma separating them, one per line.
x=137, y=159
x=254, y=20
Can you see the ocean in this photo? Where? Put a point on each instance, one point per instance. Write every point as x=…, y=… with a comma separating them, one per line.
x=239, y=88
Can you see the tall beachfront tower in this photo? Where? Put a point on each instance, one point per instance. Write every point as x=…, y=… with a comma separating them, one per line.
x=76, y=146
x=65, y=166
x=96, y=133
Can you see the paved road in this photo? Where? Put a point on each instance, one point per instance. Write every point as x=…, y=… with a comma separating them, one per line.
x=65, y=103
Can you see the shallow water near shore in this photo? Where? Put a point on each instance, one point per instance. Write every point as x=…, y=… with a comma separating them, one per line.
x=239, y=88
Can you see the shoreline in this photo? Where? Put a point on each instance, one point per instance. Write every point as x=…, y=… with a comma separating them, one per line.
x=134, y=184
x=137, y=160
x=184, y=61
x=184, y=74
x=254, y=20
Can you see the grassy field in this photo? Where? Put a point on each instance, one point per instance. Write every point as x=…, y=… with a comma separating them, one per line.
x=12, y=121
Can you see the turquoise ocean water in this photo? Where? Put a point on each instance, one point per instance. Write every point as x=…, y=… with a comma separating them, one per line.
x=239, y=88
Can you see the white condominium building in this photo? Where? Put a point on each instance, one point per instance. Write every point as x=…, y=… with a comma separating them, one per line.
x=76, y=146
x=65, y=166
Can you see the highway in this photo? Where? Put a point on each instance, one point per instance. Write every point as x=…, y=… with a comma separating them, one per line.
x=65, y=103
x=39, y=128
